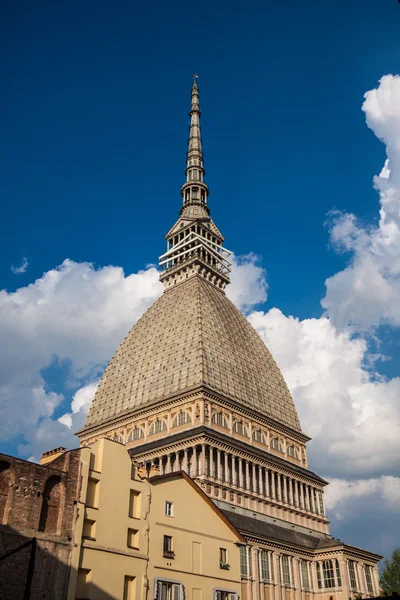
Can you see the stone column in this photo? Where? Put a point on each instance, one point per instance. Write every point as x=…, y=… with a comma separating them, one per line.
x=168, y=465
x=285, y=492
x=375, y=581
x=185, y=461
x=296, y=575
x=302, y=502
x=219, y=474
x=296, y=493
x=279, y=487
x=226, y=467
x=203, y=460
x=291, y=501
x=240, y=468
x=267, y=490
x=202, y=412
x=277, y=575
x=344, y=576
x=314, y=577
x=256, y=580
x=234, y=474
x=311, y=491
x=273, y=482
x=260, y=480
x=254, y=479
x=361, y=578
x=306, y=498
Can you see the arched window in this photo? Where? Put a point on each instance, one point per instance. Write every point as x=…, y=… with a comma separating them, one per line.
x=292, y=451
x=158, y=426
x=182, y=418
x=240, y=427
x=276, y=444
x=136, y=434
x=51, y=503
x=258, y=436
x=219, y=419
x=6, y=483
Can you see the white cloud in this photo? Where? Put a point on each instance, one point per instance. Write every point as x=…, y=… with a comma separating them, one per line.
x=248, y=285
x=22, y=267
x=351, y=413
x=340, y=493
x=79, y=314
x=365, y=294
x=76, y=313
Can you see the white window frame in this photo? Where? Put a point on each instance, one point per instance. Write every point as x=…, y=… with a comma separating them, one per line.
x=169, y=505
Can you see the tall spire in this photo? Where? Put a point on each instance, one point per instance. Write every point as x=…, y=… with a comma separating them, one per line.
x=194, y=244
x=194, y=191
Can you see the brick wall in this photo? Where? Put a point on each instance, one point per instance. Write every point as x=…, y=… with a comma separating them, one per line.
x=37, y=501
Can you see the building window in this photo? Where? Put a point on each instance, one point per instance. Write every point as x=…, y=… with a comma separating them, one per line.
x=292, y=451
x=136, y=434
x=223, y=559
x=195, y=192
x=169, y=509
x=133, y=538
x=168, y=590
x=182, y=418
x=286, y=576
x=276, y=444
x=329, y=574
x=240, y=428
x=167, y=547
x=352, y=575
x=368, y=579
x=305, y=576
x=321, y=503
x=244, y=571
x=219, y=419
x=158, y=426
x=225, y=595
x=258, y=436
x=264, y=562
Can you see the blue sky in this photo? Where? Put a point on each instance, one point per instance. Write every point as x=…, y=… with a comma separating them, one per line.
x=94, y=101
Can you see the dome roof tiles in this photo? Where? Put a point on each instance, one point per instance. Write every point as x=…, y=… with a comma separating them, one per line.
x=192, y=335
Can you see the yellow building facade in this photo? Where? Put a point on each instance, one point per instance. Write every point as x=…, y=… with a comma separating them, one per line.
x=142, y=538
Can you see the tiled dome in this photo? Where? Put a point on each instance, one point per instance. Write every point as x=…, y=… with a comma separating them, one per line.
x=192, y=336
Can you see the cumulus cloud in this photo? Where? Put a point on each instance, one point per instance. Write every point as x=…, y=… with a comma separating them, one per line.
x=351, y=412
x=248, y=285
x=77, y=315
x=365, y=294
x=365, y=512
x=74, y=314
x=22, y=268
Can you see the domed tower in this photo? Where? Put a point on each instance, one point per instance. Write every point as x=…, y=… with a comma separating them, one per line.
x=193, y=387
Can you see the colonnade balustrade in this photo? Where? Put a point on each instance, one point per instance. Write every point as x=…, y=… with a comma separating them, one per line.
x=233, y=471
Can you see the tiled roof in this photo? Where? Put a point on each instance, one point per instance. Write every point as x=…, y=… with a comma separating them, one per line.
x=193, y=335
x=270, y=531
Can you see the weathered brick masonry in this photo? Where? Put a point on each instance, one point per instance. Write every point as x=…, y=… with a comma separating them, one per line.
x=37, y=501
